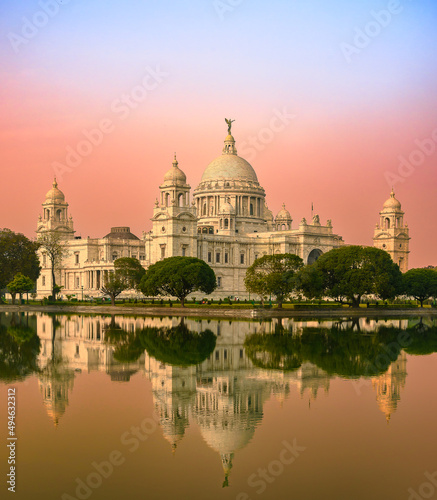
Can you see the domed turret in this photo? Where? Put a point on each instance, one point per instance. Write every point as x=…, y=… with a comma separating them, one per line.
x=55, y=195
x=55, y=216
x=227, y=208
x=392, y=203
x=392, y=234
x=283, y=220
x=175, y=174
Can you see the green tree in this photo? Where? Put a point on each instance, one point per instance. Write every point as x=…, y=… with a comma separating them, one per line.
x=55, y=248
x=130, y=269
x=420, y=283
x=113, y=285
x=347, y=273
x=178, y=277
x=20, y=284
x=18, y=254
x=273, y=275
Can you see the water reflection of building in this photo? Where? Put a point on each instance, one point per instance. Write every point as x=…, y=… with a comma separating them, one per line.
x=70, y=344
x=225, y=395
x=389, y=385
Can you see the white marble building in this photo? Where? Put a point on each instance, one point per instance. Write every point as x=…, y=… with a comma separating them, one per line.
x=226, y=223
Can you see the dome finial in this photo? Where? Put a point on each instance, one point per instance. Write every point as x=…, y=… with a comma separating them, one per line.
x=392, y=194
x=175, y=162
x=55, y=183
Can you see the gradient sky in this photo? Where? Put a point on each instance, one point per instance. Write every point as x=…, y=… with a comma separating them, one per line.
x=359, y=105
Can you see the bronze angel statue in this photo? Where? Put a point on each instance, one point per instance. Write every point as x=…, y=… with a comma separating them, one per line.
x=229, y=122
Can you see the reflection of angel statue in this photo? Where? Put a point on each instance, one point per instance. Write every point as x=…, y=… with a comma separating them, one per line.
x=229, y=122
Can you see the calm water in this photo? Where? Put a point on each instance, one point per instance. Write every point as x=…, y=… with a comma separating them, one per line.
x=148, y=408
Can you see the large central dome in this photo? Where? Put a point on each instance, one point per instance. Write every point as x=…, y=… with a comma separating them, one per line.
x=229, y=165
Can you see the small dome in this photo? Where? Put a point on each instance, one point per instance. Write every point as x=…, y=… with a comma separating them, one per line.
x=392, y=203
x=283, y=214
x=121, y=233
x=229, y=138
x=55, y=194
x=227, y=208
x=175, y=174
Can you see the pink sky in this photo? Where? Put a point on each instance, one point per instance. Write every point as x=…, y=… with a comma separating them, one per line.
x=353, y=120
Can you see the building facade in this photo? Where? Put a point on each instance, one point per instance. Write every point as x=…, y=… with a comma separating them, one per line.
x=225, y=222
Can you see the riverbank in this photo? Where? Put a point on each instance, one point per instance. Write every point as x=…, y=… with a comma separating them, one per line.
x=223, y=312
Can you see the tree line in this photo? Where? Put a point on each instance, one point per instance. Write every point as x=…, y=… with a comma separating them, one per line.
x=345, y=275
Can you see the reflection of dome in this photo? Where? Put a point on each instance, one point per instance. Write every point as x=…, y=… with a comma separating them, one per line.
x=175, y=174
x=228, y=437
x=283, y=214
x=392, y=203
x=55, y=194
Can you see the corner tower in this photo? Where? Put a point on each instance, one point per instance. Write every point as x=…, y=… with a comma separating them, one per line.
x=174, y=220
x=55, y=214
x=392, y=234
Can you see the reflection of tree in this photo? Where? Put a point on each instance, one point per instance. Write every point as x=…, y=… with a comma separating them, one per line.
x=127, y=346
x=423, y=340
x=177, y=345
x=19, y=348
x=338, y=351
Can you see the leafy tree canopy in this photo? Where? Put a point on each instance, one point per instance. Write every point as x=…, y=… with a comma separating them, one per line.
x=273, y=275
x=113, y=284
x=131, y=270
x=20, y=284
x=348, y=273
x=17, y=254
x=178, y=277
x=420, y=284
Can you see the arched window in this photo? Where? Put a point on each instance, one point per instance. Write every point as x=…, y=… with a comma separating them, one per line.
x=251, y=209
x=204, y=209
x=181, y=200
x=58, y=214
x=226, y=223
x=314, y=255
x=167, y=198
x=387, y=223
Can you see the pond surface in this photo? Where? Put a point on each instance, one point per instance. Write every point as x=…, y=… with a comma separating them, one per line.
x=163, y=408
